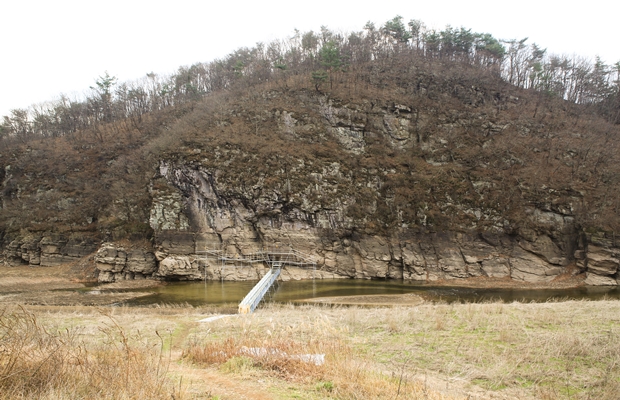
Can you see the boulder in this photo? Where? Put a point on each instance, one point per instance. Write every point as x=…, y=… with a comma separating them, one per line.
x=116, y=263
x=110, y=258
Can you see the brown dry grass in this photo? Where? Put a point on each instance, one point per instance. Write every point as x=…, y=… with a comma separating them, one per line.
x=279, y=352
x=285, y=332
x=563, y=350
x=552, y=350
x=37, y=362
x=52, y=286
x=23, y=279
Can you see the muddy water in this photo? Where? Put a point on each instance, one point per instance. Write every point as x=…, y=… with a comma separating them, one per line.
x=231, y=293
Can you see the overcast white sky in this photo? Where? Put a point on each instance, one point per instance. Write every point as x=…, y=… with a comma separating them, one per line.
x=49, y=47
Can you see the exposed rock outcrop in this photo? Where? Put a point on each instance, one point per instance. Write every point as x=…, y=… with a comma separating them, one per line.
x=47, y=251
x=236, y=231
x=218, y=222
x=601, y=261
x=343, y=213
x=179, y=267
x=115, y=263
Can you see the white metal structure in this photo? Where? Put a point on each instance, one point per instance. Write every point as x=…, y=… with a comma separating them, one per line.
x=274, y=258
x=250, y=302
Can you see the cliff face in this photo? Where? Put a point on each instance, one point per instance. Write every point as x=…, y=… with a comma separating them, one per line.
x=47, y=251
x=337, y=209
x=213, y=220
x=448, y=178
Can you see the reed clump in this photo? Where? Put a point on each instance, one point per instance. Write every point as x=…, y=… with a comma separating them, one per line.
x=39, y=362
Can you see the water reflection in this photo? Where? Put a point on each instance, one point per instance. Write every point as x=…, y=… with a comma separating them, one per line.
x=231, y=293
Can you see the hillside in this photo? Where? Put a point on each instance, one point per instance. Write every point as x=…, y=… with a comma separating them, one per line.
x=412, y=162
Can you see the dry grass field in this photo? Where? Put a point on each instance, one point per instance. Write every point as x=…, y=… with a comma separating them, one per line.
x=561, y=350
x=57, y=345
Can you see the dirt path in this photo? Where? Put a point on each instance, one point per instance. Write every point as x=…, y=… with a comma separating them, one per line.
x=205, y=383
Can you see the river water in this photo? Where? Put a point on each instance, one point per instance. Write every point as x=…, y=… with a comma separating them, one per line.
x=231, y=293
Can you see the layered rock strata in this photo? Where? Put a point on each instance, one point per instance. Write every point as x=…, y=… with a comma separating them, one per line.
x=115, y=263
x=601, y=261
x=199, y=218
x=193, y=216
x=47, y=251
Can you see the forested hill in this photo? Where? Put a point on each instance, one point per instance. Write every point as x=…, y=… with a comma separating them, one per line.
x=374, y=53
x=390, y=129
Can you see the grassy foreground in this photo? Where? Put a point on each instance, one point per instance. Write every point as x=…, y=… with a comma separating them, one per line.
x=431, y=351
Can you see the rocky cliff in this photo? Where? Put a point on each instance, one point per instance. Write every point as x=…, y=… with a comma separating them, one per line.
x=354, y=218
x=448, y=177
x=209, y=220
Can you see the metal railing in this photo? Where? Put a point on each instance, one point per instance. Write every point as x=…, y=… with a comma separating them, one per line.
x=270, y=258
x=274, y=258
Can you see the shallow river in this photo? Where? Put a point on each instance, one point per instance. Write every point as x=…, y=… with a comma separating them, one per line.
x=221, y=293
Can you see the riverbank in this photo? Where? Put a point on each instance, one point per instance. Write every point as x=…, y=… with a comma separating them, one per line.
x=411, y=349
x=65, y=285
x=74, y=285
x=438, y=351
